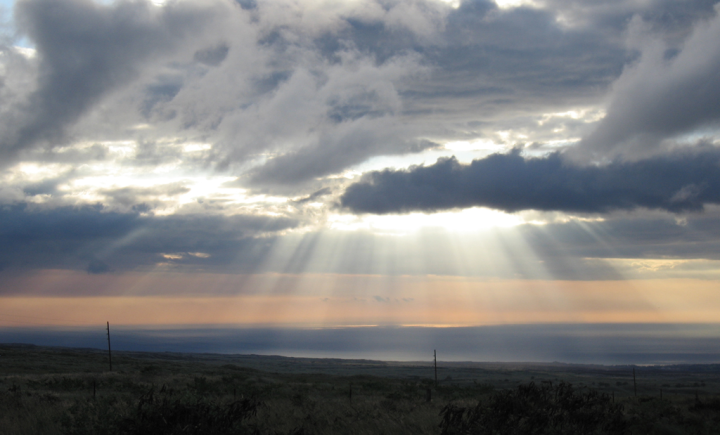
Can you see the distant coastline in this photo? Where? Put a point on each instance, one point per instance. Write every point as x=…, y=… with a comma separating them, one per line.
x=594, y=344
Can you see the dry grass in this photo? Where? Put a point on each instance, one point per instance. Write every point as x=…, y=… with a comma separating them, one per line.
x=47, y=391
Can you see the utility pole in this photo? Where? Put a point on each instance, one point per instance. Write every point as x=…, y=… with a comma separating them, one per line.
x=634, y=382
x=109, y=352
x=435, y=355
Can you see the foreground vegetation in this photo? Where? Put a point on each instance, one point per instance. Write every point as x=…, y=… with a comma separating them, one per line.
x=71, y=391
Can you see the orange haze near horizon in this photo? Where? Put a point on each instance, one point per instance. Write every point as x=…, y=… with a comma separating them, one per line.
x=66, y=298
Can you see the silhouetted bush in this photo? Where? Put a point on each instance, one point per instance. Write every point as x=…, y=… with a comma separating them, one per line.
x=712, y=405
x=537, y=409
x=161, y=414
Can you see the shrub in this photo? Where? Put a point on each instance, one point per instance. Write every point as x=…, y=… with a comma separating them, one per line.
x=537, y=409
x=161, y=414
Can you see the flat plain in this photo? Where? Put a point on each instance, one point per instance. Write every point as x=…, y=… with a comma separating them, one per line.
x=46, y=390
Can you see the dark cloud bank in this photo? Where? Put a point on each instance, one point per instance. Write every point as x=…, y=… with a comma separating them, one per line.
x=89, y=238
x=96, y=241
x=678, y=182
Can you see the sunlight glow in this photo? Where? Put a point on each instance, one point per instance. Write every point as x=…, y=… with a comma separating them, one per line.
x=196, y=147
x=634, y=268
x=473, y=145
x=653, y=265
x=36, y=172
x=584, y=114
x=506, y=4
x=29, y=53
x=463, y=221
x=168, y=187
x=452, y=3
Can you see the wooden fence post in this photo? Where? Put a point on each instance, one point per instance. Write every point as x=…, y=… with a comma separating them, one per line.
x=109, y=351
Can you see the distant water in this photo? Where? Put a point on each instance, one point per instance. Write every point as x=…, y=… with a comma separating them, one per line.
x=569, y=343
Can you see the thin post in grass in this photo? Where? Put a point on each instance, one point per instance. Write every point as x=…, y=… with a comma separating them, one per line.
x=93, y=388
x=435, y=357
x=634, y=382
x=109, y=351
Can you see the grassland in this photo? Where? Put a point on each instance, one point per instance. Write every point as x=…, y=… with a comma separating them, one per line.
x=71, y=391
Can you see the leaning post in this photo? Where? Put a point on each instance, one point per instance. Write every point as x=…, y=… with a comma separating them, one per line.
x=109, y=351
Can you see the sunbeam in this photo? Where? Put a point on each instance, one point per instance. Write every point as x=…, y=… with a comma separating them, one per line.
x=415, y=168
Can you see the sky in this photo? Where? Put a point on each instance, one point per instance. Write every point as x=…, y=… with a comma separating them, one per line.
x=405, y=171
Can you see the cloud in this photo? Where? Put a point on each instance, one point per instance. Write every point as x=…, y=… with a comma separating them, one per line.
x=321, y=120
x=677, y=182
x=212, y=56
x=97, y=267
x=671, y=18
x=127, y=197
x=92, y=239
x=83, y=239
x=385, y=89
x=287, y=93
x=47, y=186
x=314, y=196
x=86, y=50
x=342, y=148
x=662, y=95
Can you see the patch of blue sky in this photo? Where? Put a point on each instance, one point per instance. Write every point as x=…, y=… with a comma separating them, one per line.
x=7, y=24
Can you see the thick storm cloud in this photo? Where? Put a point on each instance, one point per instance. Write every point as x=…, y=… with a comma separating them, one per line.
x=99, y=241
x=682, y=181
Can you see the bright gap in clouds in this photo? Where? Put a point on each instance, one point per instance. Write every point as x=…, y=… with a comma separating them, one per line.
x=452, y=3
x=462, y=221
x=506, y=4
x=155, y=2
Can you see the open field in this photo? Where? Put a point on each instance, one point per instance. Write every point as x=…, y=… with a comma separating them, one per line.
x=71, y=391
